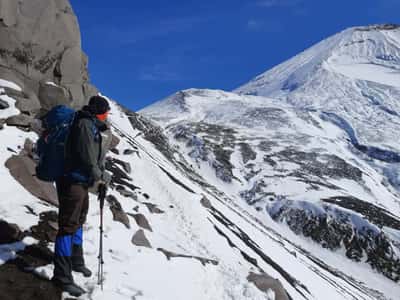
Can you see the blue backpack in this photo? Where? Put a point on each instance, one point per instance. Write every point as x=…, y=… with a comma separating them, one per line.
x=51, y=145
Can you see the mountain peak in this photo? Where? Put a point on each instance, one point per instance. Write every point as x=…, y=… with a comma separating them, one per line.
x=374, y=50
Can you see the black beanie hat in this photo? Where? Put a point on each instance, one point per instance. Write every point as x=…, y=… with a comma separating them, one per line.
x=98, y=105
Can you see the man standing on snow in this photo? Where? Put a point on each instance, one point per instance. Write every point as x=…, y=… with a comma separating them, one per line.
x=85, y=152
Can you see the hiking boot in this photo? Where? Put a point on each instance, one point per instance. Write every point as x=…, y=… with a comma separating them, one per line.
x=71, y=288
x=82, y=269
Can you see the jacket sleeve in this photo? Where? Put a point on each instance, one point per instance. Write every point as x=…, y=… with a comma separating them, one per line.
x=88, y=149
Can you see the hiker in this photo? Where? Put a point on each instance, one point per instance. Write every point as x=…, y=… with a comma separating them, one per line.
x=86, y=146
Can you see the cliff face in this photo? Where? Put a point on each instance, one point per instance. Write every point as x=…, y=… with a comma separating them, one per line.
x=40, y=41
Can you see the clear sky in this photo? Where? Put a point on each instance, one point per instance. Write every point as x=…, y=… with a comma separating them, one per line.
x=143, y=51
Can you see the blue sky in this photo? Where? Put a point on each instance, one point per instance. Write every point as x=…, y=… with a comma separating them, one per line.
x=142, y=51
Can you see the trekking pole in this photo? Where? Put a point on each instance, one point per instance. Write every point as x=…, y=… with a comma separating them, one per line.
x=102, y=196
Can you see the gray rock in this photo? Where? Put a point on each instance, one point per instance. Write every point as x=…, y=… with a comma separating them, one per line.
x=52, y=95
x=114, y=142
x=206, y=203
x=153, y=208
x=40, y=40
x=22, y=168
x=119, y=214
x=139, y=239
x=9, y=233
x=264, y=282
x=142, y=221
x=20, y=120
x=28, y=105
x=124, y=192
x=204, y=261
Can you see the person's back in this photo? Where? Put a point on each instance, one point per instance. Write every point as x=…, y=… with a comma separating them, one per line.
x=84, y=166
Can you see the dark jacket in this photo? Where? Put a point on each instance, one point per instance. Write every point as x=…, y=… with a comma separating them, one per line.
x=84, y=155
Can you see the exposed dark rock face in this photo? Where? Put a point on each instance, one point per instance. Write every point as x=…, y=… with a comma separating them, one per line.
x=256, y=193
x=320, y=165
x=210, y=143
x=374, y=214
x=247, y=152
x=334, y=228
x=151, y=132
x=40, y=41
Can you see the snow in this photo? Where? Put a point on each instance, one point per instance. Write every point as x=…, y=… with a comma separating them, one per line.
x=9, y=84
x=339, y=95
x=239, y=238
x=368, y=72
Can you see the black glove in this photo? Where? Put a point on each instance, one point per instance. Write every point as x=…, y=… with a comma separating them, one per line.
x=105, y=178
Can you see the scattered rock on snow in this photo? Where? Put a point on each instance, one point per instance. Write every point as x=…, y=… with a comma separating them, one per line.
x=153, y=208
x=124, y=192
x=265, y=283
x=141, y=221
x=47, y=228
x=125, y=165
x=114, y=141
x=9, y=233
x=206, y=203
x=202, y=260
x=139, y=239
x=117, y=211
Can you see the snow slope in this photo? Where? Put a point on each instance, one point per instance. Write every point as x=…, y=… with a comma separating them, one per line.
x=204, y=243
x=309, y=148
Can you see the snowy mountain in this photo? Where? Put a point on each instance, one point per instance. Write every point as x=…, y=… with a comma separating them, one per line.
x=309, y=148
x=234, y=197
x=354, y=74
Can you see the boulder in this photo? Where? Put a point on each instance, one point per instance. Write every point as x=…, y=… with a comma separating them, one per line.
x=30, y=106
x=264, y=283
x=114, y=142
x=142, y=221
x=47, y=228
x=20, y=120
x=22, y=168
x=9, y=233
x=51, y=95
x=40, y=40
x=119, y=214
x=139, y=239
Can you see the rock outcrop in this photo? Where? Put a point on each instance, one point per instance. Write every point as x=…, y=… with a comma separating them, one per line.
x=40, y=41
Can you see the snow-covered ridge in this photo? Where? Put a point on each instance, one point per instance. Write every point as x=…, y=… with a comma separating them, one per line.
x=354, y=74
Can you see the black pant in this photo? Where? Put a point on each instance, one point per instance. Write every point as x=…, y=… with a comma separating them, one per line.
x=73, y=208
